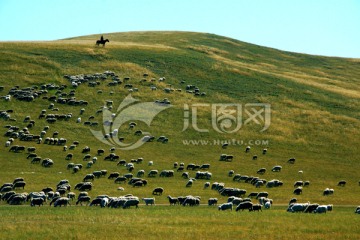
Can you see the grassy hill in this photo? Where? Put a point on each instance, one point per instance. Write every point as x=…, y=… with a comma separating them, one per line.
x=315, y=112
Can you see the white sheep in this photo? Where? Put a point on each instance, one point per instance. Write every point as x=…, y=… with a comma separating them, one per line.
x=357, y=210
x=104, y=202
x=267, y=205
x=321, y=209
x=148, y=201
x=297, y=207
x=89, y=164
x=226, y=206
x=276, y=168
x=189, y=183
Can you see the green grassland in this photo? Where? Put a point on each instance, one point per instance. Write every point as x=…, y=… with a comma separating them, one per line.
x=315, y=118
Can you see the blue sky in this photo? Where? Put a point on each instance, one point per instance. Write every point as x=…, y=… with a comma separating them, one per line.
x=320, y=27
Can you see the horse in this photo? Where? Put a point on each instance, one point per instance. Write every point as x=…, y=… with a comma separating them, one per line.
x=102, y=41
x=99, y=42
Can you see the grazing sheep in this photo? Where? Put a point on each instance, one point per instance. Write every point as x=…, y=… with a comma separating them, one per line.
x=152, y=173
x=6, y=188
x=291, y=160
x=297, y=191
x=37, y=201
x=298, y=184
x=8, y=194
x=69, y=156
x=226, y=158
x=342, y=183
x=158, y=191
x=267, y=205
x=104, y=202
x=96, y=174
x=87, y=157
x=100, y=152
x=293, y=200
x=19, y=184
x=321, y=209
x=206, y=185
x=205, y=166
x=113, y=175
x=297, y=207
x=226, y=191
x=85, y=187
x=259, y=183
x=62, y=201
x=83, y=199
x=244, y=205
x=212, y=201
x=262, y=194
x=47, y=162
x=149, y=201
x=274, y=183
x=19, y=179
x=167, y=173
x=140, y=173
x=261, y=171
x=357, y=210
x=89, y=177
x=17, y=199
x=74, y=168
x=264, y=200
x=328, y=192
x=120, y=179
x=189, y=183
x=131, y=202
x=247, y=149
x=71, y=195
x=235, y=200
x=311, y=208
x=225, y=206
x=191, y=201
x=255, y=207
x=276, y=168
x=89, y=164
x=95, y=202
x=231, y=173
x=203, y=175
x=172, y=200
x=252, y=194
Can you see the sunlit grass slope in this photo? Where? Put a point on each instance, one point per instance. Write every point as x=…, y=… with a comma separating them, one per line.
x=314, y=102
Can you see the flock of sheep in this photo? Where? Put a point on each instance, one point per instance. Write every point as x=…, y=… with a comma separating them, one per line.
x=62, y=194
